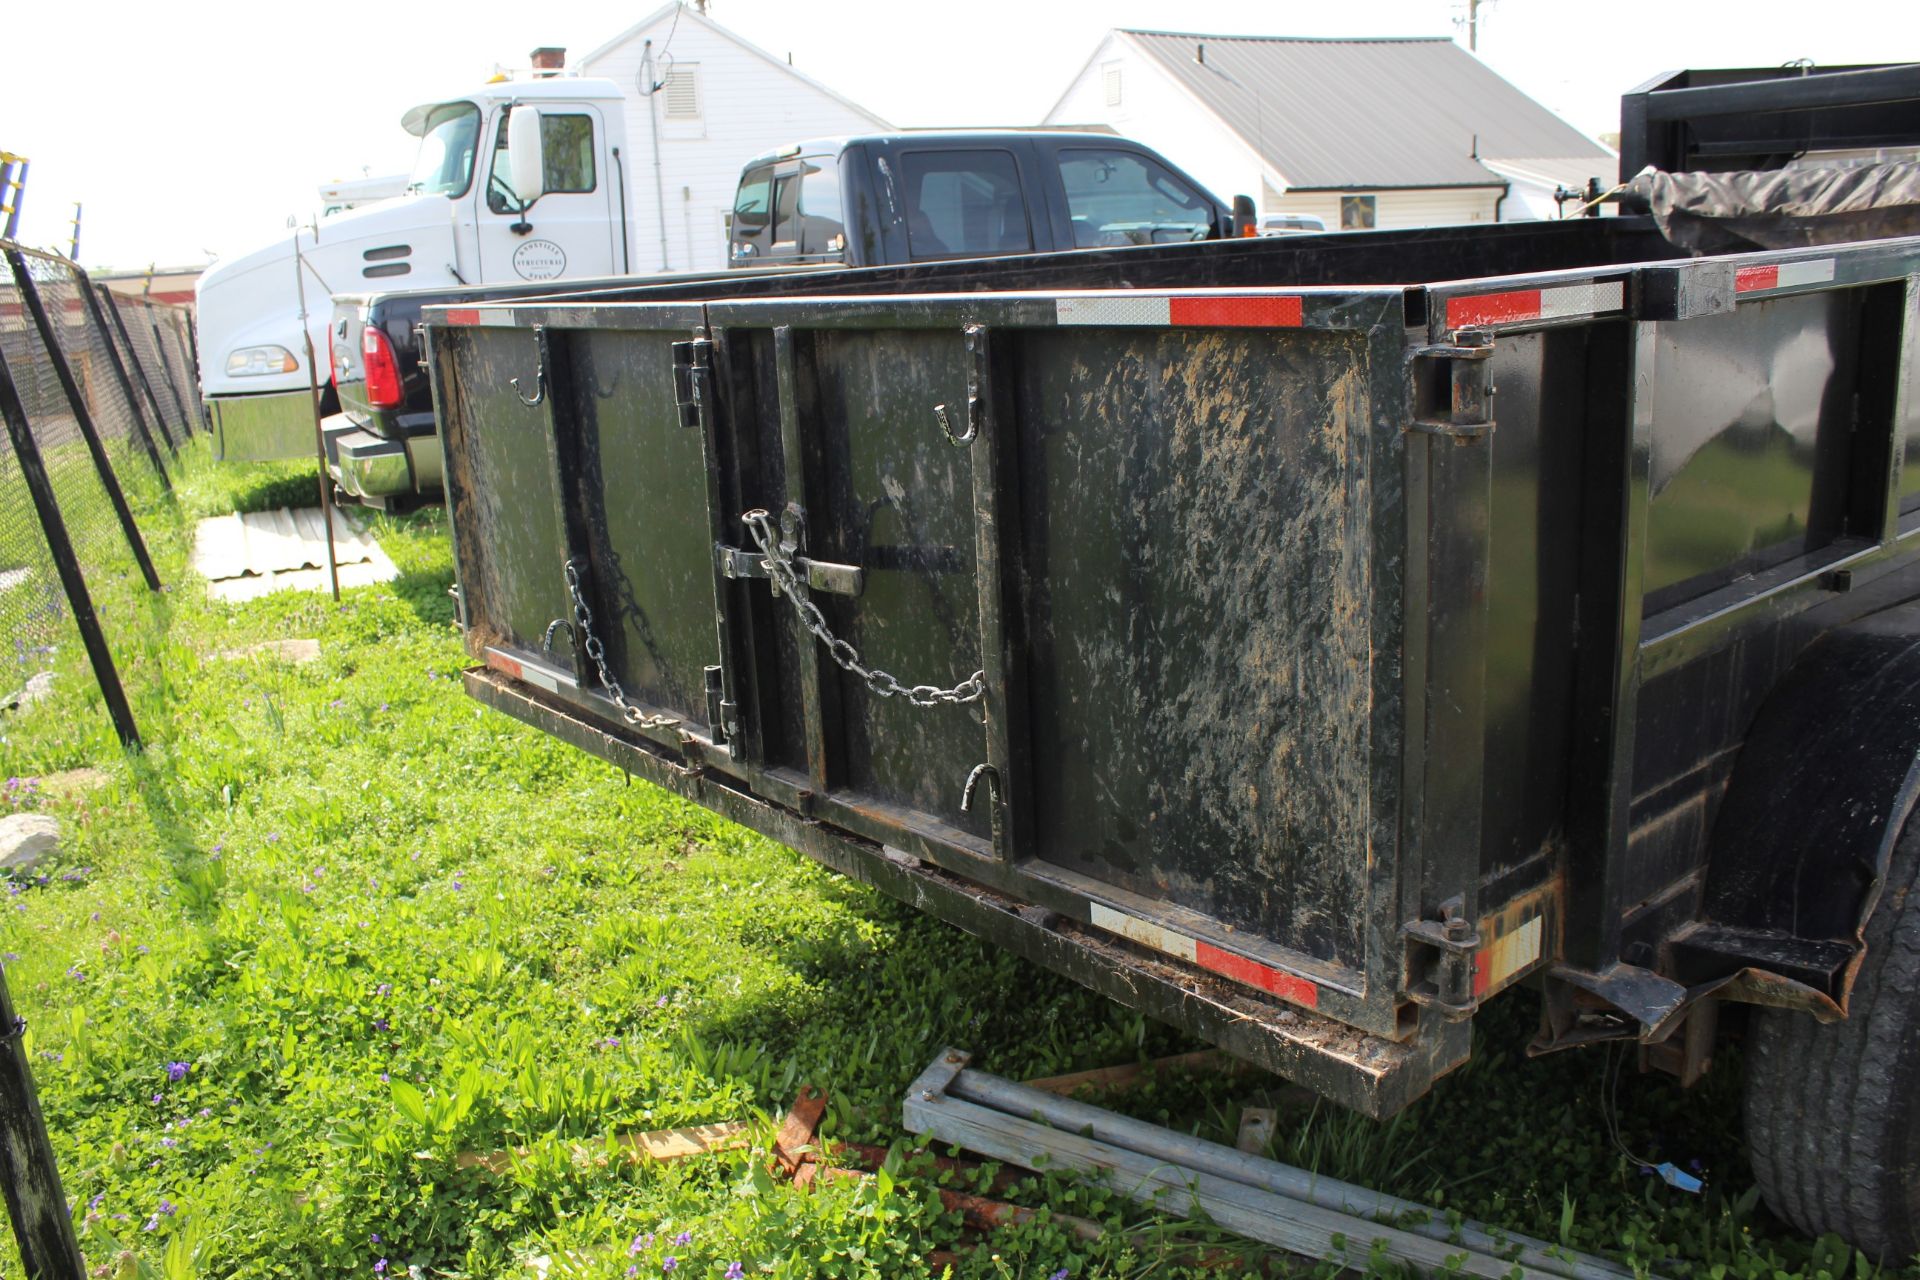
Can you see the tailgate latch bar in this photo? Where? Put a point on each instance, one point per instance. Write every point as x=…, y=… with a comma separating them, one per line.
x=1452, y=389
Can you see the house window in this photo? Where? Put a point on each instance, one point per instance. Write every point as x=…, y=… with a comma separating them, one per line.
x=1356, y=213
x=1110, y=76
x=681, y=85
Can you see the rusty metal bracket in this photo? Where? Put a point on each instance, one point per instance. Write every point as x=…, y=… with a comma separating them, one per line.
x=995, y=819
x=976, y=340
x=1440, y=962
x=692, y=379
x=539, y=371
x=1452, y=389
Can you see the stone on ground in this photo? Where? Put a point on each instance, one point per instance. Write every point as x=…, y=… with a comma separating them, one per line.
x=26, y=839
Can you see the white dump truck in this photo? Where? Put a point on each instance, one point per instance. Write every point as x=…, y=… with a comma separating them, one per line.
x=459, y=221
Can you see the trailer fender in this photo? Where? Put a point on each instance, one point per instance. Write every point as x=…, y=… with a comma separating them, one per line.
x=1823, y=786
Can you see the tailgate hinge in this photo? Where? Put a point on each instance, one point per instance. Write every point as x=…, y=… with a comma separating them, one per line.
x=1452, y=389
x=1440, y=956
x=692, y=379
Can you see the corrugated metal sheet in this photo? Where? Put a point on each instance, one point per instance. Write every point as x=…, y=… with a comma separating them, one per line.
x=246, y=556
x=1365, y=113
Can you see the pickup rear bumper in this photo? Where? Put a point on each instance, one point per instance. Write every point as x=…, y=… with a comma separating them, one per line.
x=381, y=470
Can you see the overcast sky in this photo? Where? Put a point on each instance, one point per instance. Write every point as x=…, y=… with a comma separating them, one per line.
x=190, y=130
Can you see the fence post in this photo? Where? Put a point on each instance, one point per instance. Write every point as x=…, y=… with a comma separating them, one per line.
x=112, y=308
x=173, y=384
x=77, y=400
x=193, y=355
x=65, y=562
x=42, y=1223
x=120, y=375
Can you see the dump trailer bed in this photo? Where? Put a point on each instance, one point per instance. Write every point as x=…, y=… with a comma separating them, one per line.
x=1301, y=658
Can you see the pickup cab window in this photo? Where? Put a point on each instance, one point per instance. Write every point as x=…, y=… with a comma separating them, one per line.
x=566, y=150
x=823, y=223
x=963, y=204
x=444, y=165
x=1120, y=198
x=753, y=205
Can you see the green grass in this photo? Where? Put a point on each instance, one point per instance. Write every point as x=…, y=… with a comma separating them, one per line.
x=382, y=926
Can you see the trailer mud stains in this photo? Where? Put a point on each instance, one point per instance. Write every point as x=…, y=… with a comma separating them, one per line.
x=1198, y=521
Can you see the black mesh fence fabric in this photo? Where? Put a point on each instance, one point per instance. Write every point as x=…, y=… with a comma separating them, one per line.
x=37, y=629
x=90, y=358
x=148, y=395
x=147, y=326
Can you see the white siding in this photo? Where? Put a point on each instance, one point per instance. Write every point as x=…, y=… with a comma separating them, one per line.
x=747, y=105
x=1394, y=210
x=1155, y=111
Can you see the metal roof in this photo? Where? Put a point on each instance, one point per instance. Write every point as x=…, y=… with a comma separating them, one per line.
x=1375, y=113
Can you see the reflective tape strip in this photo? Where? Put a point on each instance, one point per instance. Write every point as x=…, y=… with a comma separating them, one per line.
x=1783, y=275
x=1241, y=311
x=511, y=666
x=1225, y=963
x=1557, y=302
x=475, y=315
x=1508, y=955
x=1113, y=311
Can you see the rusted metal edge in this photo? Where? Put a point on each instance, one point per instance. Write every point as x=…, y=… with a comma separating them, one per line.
x=1366, y=1073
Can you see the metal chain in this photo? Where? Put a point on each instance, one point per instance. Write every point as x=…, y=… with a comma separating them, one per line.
x=781, y=570
x=583, y=619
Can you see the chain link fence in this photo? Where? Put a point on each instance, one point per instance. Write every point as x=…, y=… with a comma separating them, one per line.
x=89, y=436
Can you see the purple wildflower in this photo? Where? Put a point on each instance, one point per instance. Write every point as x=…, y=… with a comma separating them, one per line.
x=383, y=706
x=661, y=1003
x=458, y=886
x=734, y=1271
x=383, y=1078
x=374, y=1238
x=1061, y=1274
x=273, y=837
x=76, y=973
x=158, y=1099
x=670, y=1263
x=384, y=989
x=380, y=1024
x=380, y=1267
x=639, y=1243
x=95, y=1202
x=684, y=1238
x=166, y=1206
x=177, y=1071
x=169, y=1142
x=153, y=1223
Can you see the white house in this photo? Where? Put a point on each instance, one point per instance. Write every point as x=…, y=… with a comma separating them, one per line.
x=1362, y=133
x=714, y=101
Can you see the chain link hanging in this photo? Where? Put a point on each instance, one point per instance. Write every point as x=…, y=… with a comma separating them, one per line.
x=583, y=620
x=787, y=579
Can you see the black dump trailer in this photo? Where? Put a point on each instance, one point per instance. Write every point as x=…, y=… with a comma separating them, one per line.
x=1300, y=641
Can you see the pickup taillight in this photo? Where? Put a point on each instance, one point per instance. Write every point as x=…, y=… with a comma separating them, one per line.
x=382, y=374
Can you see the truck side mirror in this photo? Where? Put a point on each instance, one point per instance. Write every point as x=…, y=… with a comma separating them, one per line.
x=526, y=163
x=1246, y=220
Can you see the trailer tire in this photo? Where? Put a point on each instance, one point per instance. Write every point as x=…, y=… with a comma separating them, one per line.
x=1833, y=1110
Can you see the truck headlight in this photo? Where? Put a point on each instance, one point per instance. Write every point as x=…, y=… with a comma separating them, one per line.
x=254, y=362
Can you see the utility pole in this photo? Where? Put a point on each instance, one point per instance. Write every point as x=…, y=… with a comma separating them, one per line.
x=1473, y=23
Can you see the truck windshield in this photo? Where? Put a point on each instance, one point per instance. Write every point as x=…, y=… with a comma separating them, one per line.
x=445, y=164
x=1120, y=198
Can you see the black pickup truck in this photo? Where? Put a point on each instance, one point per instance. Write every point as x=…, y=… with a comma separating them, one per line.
x=878, y=200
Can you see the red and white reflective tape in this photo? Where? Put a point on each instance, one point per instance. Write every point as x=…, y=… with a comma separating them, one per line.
x=478, y=315
x=1556, y=302
x=532, y=674
x=1506, y=956
x=1231, y=311
x=1225, y=963
x=1783, y=275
